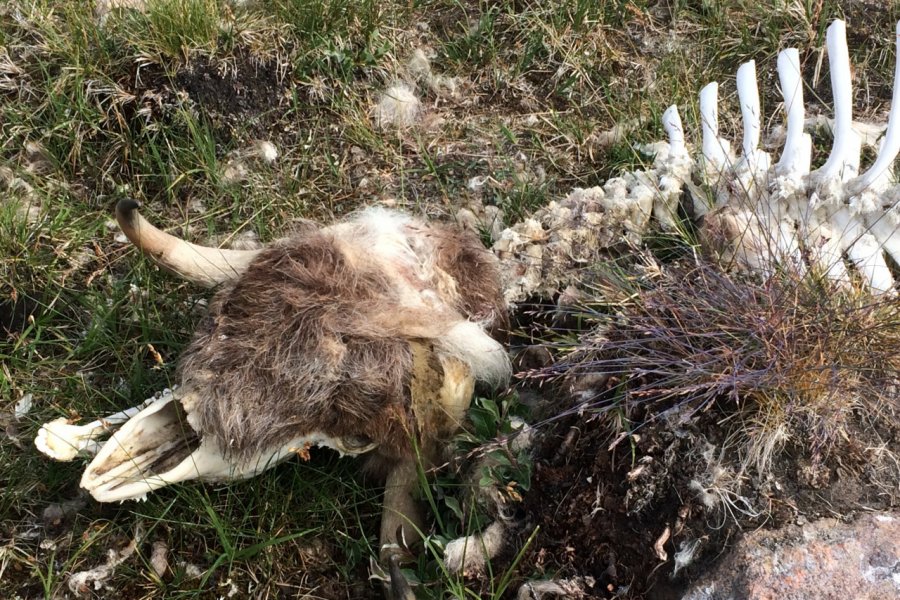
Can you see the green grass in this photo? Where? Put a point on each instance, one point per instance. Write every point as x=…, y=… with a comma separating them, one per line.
x=156, y=105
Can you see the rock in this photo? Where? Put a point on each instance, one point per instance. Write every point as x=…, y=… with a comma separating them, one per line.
x=826, y=559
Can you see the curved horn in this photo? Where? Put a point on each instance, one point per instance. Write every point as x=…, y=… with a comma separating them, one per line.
x=199, y=264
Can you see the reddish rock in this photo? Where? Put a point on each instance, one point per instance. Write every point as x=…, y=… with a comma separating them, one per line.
x=823, y=560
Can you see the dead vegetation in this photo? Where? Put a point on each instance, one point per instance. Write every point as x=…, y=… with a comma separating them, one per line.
x=526, y=99
x=704, y=402
x=792, y=361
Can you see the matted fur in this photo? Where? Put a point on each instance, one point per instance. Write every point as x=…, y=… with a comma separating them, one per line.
x=316, y=334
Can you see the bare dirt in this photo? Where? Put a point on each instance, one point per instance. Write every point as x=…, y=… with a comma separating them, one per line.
x=602, y=510
x=242, y=95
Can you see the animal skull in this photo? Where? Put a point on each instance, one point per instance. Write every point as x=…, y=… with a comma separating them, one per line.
x=366, y=337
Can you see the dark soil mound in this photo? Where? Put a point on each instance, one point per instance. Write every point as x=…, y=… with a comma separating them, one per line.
x=604, y=509
x=709, y=406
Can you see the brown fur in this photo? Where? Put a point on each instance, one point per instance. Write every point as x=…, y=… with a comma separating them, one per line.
x=310, y=339
x=462, y=257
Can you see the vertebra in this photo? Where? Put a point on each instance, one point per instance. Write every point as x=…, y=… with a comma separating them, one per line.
x=759, y=214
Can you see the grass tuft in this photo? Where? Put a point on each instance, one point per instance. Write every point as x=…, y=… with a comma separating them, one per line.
x=790, y=362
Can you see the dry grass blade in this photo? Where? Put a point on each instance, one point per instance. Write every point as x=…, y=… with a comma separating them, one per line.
x=792, y=359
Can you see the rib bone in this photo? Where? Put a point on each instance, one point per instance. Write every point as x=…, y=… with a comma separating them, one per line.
x=845, y=139
x=716, y=150
x=797, y=153
x=878, y=175
x=771, y=216
x=753, y=162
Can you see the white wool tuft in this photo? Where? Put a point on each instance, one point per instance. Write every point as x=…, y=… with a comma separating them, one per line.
x=487, y=358
x=384, y=233
x=398, y=107
x=382, y=220
x=469, y=555
x=419, y=66
x=266, y=151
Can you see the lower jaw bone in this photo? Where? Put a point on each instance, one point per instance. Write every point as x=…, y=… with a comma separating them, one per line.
x=157, y=447
x=63, y=441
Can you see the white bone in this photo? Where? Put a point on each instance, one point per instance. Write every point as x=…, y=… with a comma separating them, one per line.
x=830, y=228
x=63, y=441
x=861, y=247
x=673, y=167
x=754, y=165
x=825, y=247
x=787, y=202
x=841, y=156
x=871, y=188
x=879, y=173
x=885, y=227
x=671, y=122
x=864, y=250
x=716, y=150
x=797, y=153
x=748, y=94
x=157, y=447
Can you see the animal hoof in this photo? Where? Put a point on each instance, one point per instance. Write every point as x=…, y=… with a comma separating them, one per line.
x=399, y=586
x=393, y=582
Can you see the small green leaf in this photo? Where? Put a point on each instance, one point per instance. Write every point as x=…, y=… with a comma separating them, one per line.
x=453, y=504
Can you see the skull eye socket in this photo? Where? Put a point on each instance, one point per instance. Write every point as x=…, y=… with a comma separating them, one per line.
x=358, y=444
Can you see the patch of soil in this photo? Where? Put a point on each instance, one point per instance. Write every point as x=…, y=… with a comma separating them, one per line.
x=14, y=314
x=240, y=94
x=627, y=510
